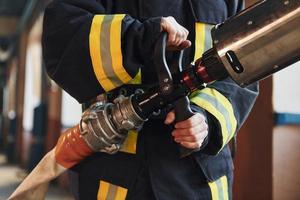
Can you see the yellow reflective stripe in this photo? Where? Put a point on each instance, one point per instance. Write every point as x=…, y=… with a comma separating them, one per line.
x=225, y=102
x=212, y=109
x=203, y=39
x=219, y=106
x=106, y=51
x=129, y=145
x=199, y=40
x=103, y=190
x=121, y=193
x=112, y=192
x=116, y=49
x=214, y=190
x=219, y=189
x=109, y=191
x=95, y=44
x=224, y=183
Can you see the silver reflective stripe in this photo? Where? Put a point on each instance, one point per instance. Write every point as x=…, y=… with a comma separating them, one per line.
x=207, y=40
x=220, y=189
x=105, y=51
x=112, y=191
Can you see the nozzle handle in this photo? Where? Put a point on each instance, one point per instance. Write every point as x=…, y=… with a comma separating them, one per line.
x=183, y=112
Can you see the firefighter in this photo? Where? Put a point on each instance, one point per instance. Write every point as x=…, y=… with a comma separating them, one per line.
x=94, y=47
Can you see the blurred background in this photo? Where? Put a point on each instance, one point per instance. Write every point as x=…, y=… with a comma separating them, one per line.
x=34, y=111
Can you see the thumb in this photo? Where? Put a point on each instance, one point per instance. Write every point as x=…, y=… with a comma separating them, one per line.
x=170, y=117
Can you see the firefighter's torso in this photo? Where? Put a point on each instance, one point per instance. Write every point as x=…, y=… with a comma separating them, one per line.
x=153, y=147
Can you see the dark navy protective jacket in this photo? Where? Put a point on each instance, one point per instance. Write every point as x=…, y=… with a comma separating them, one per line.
x=96, y=46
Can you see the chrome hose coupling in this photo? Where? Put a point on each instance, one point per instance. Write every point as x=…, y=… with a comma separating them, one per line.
x=104, y=126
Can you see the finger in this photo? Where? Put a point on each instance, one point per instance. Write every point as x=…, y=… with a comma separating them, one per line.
x=171, y=36
x=192, y=138
x=189, y=139
x=186, y=32
x=185, y=44
x=182, y=36
x=196, y=119
x=191, y=145
x=189, y=132
x=177, y=39
x=185, y=139
x=170, y=117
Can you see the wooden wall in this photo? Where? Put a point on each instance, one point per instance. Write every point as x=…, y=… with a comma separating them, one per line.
x=253, y=162
x=286, y=162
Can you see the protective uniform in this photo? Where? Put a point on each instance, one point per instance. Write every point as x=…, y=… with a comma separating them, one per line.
x=97, y=46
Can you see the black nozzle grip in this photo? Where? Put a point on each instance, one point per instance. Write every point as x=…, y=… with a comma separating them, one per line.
x=183, y=112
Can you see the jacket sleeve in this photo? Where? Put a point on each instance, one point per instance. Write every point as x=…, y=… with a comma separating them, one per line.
x=225, y=103
x=88, y=51
x=227, y=106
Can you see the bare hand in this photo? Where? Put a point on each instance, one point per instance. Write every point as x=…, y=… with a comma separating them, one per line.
x=177, y=34
x=189, y=133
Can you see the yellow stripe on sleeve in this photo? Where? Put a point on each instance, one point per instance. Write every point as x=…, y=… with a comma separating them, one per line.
x=225, y=102
x=212, y=109
x=116, y=49
x=95, y=53
x=220, y=107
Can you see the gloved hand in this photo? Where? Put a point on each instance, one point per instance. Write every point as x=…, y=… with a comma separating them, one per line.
x=177, y=34
x=189, y=133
